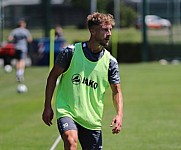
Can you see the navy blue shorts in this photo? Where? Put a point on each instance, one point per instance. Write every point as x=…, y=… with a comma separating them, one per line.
x=89, y=139
x=19, y=54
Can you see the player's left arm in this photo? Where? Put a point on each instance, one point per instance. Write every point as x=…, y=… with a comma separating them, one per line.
x=29, y=37
x=118, y=104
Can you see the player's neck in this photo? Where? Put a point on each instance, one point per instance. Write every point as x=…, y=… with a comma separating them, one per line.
x=94, y=46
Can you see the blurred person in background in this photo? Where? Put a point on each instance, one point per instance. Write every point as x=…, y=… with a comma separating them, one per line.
x=59, y=37
x=58, y=32
x=87, y=70
x=20, y=36
x=59, y=44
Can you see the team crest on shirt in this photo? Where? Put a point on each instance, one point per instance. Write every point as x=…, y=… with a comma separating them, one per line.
x=78, y=79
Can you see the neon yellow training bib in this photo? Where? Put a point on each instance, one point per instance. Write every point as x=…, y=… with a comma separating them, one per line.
x=81, y=90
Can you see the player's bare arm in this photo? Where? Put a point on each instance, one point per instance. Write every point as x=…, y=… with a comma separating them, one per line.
x=118, y=104
x=47, y=115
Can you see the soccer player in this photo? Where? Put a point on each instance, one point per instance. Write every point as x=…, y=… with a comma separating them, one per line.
x=87, y=69
x=20, y=36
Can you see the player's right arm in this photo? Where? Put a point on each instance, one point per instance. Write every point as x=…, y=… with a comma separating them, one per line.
x=11, y=36
x=61, y=65
x=48, y=114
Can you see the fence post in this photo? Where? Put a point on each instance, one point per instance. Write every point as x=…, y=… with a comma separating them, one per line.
x=144, y=33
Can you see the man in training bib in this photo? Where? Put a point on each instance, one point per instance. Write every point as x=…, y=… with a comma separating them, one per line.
x=87, y=69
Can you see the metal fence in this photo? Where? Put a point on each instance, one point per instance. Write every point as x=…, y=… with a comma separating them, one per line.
x=167, y=9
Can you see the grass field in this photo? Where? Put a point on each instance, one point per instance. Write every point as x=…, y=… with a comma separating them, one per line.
x=152, y=109
x=70, y=34
x=126, y=35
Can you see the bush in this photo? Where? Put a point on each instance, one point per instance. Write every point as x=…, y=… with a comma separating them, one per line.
x=127, y=14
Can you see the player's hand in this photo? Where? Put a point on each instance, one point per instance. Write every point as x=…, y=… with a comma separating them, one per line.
x=116, y=124
x=47, y=115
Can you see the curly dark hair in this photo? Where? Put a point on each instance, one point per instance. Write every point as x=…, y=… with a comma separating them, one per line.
x=97, y=18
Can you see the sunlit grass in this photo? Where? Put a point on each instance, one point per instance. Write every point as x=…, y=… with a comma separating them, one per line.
x=151, y=110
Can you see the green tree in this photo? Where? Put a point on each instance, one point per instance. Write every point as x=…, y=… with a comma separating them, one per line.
x=127, y=14
x=85, y=4
x=101, y=5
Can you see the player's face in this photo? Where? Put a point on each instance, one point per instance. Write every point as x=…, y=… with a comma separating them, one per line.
x=103, y=34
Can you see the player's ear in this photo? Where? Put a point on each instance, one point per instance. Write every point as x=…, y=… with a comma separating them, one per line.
x=92, y=30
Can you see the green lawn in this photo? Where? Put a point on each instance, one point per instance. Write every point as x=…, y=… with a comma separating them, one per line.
x=126, y=35
x=70, y=34
x=152, y=110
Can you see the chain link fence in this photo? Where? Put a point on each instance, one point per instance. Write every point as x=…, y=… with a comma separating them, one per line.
x=166, y=9
x=163, y=42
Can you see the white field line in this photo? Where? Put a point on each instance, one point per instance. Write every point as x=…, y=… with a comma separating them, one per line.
x=56, y=143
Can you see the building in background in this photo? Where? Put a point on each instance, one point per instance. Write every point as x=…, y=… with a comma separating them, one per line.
x=61, y=12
